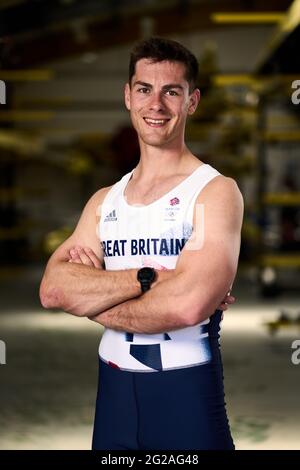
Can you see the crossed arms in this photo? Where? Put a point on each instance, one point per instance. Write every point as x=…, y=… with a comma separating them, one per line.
x=181, y=297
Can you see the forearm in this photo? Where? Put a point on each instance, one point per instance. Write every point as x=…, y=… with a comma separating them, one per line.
x=84, y=290
x=162, y=308
x=169, y=305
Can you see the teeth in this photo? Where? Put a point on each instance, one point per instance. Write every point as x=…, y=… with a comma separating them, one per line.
x=155, y=121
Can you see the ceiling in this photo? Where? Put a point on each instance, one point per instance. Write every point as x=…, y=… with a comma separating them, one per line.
x=75, y=54
x=35, y=32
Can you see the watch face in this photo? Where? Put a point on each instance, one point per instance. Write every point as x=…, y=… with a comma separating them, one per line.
x=146, y=274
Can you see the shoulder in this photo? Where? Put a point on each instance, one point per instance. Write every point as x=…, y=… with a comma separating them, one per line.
x=222, y=183
x=221, y=190
x=97, y=198
x=94, y=205
x=100, y=195
x=222, y=203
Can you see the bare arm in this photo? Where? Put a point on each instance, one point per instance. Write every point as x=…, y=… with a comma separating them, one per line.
x=81, y=289
x=202, y=277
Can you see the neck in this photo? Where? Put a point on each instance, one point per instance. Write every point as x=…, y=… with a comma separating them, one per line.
x=156, y=162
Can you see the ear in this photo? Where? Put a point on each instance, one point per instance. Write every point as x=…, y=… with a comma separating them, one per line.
x=194, y=101
x=127, y=96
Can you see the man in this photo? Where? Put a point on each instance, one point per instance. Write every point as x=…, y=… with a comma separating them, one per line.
x=170, y=239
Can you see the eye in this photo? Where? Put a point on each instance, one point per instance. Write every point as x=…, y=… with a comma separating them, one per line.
x=172, y=92
x=143, y=90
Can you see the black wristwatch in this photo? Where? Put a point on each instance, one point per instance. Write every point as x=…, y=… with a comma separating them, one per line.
x=146, y=276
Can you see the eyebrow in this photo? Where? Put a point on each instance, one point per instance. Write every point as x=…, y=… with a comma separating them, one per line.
x=138, y=82
x=172, y=85
x=169, y=86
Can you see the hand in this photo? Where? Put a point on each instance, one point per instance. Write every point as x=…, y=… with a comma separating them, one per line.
x=228, y=300
x=84, y=255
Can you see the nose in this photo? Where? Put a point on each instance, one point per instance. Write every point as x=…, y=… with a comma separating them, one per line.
x=156, y=102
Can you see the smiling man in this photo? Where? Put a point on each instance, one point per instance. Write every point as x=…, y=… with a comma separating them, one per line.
x=158, y=125
x=157, y=271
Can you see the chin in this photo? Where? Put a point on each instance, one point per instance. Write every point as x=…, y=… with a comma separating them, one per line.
x=153, y=138
x=154, y=141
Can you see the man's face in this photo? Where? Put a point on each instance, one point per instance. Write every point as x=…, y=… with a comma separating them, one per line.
x=159, y=101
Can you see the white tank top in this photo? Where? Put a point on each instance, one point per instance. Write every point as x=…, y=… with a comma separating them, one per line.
x=133, y=236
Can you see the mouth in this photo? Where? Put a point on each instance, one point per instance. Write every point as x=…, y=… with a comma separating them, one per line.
x=156, y=122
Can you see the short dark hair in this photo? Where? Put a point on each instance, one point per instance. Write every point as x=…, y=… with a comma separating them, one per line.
x=159, y=49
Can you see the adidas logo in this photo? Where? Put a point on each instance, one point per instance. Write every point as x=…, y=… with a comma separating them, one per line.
x=111, y=217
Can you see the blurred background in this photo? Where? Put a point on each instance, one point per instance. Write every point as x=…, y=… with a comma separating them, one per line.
x=65, y=132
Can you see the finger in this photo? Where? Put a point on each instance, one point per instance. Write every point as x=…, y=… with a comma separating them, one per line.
x=77, y=261
x=223, y=307
x=75, y=258
x=74, y=253
x=228, y=298
x=94, y=258
x=85, y=259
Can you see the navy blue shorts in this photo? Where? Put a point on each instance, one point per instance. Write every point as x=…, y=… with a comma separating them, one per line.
x=180, y=409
